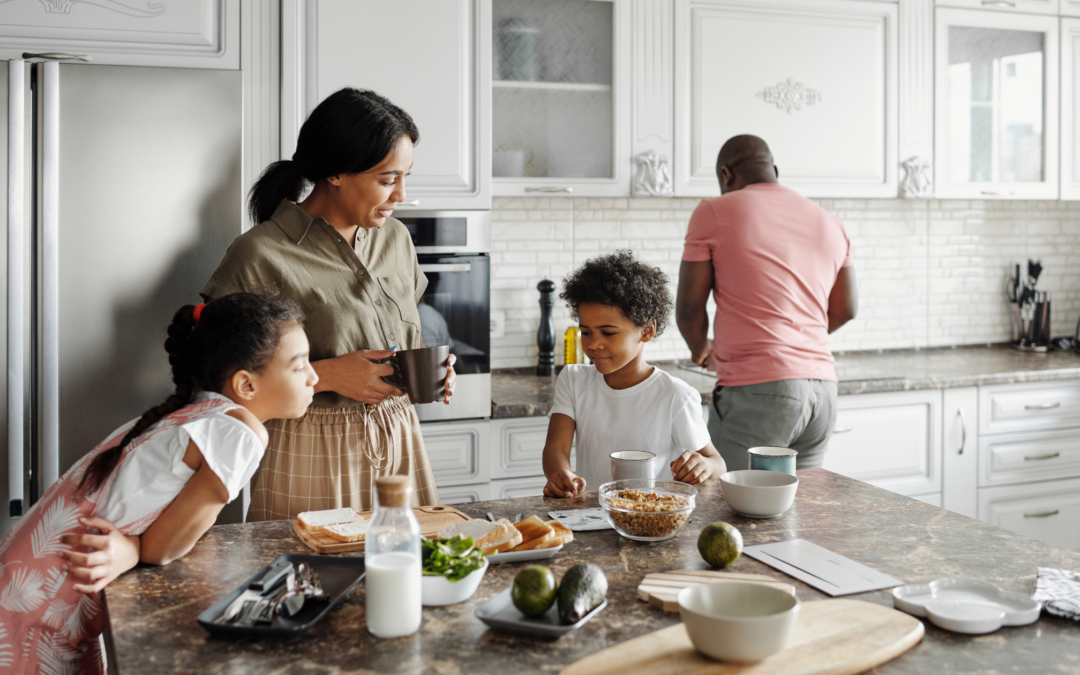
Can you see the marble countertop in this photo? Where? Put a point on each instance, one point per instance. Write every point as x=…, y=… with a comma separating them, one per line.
x=152, y=610
x=520, y=393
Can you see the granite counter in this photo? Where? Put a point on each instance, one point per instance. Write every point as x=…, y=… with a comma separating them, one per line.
x=152, y=610
x=521, y=393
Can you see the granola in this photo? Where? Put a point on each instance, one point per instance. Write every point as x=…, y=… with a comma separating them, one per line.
x=650, y=520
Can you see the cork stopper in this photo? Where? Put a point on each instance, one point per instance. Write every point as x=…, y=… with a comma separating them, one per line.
x=393, y=491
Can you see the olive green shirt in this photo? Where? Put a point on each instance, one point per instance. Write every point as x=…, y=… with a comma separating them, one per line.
x=353, y=297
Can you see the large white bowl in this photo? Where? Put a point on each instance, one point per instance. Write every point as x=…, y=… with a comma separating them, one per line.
x=436, y=591
x=759, y=494
x=738, y=621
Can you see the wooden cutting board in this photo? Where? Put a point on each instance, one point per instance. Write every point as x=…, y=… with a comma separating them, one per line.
x=833, y=637
x=661, y=589
x=432, y=520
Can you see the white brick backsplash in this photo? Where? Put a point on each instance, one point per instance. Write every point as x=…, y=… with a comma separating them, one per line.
x=930, y=273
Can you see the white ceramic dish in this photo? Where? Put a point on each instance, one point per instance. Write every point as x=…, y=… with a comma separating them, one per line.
x=966, y=605
x=738, y=621
x=759, y=494
x=522, y=556
x=436, y=591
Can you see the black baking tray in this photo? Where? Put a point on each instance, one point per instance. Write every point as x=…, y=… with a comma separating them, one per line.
x=337, y=575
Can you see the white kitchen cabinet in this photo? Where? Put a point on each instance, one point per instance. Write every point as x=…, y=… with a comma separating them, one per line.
x=1049, y=512
x=1070, y=106
x=820, y=88
x=891, y=440
x=202, y=34
x=1007, y=6
x=518, y=447
x=457, y=451
x=960, y=451
x=464, y=494
x=996, y=105
x=561, y=97
x=1035, y=406
x=430, y=57
x=513, y=488
x=1070, y=7
x=1027, y=457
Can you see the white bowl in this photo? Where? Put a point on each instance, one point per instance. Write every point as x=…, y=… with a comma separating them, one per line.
x=738, y=621
x=759, y=494
x=436, y=591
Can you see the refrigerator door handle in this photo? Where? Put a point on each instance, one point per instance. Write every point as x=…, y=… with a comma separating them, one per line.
x=50, y=276
x=16, y=216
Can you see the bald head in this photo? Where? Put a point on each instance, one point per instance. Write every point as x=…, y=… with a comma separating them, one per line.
x=744, y=160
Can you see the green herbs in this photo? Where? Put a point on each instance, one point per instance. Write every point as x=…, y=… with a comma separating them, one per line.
x=452, y=558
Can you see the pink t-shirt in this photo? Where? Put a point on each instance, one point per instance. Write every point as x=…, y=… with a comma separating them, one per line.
x=775, y=256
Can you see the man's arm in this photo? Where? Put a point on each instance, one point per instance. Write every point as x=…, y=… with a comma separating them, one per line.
x=843, y=299
x=695, y=284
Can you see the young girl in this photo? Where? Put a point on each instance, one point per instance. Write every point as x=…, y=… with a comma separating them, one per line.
x=151, y=489
x=620, y=402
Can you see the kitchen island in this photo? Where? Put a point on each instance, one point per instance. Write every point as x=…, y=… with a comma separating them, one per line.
x=152, y=610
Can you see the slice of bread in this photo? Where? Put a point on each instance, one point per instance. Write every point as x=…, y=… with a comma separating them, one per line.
x=562, y=535
x=316, y=521
x=533, y=528
x=482, y=532
x=507, y=541
x=349, y=532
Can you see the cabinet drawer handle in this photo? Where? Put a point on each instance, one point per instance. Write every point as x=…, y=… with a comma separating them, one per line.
x=549, y=189
x=1044, y=514
x=999, y=193
x=1035, y=457
x=843, y=430
x=963, y=431
x=998, y=3
x=1043, y=406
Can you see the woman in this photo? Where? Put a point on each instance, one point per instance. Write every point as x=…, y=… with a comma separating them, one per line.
x=353, y=270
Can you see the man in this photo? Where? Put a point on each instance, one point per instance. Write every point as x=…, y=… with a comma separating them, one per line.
x=780, y=270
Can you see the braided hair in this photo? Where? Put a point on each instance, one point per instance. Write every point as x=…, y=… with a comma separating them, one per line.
x=236, y=332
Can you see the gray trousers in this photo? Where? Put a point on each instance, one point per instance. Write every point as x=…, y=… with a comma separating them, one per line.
x=797, y=414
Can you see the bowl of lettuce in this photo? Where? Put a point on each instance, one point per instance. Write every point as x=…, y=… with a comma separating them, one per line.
x=452, y=570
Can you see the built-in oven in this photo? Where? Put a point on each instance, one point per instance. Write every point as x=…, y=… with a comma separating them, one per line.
x=453, y=248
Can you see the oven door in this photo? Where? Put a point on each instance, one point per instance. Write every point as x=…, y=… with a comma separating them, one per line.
x=456, y=310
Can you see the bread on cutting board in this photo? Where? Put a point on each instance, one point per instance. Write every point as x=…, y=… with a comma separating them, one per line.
x=316, y=521
x=348, y=532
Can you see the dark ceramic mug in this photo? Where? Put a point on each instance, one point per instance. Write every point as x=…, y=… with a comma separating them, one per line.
x=420, y=373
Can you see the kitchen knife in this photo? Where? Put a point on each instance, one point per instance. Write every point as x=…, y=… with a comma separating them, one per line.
x=255, y=590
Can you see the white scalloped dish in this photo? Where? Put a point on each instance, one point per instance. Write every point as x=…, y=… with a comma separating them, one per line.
x=966, y=605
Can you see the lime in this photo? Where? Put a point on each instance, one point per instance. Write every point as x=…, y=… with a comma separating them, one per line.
x=720, y=544
x=533, y=591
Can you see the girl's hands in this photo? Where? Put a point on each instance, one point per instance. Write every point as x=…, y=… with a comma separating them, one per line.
x=357, y=376
x=691, y=467
x=113, y=554
x=564, y=483
x=451, y=376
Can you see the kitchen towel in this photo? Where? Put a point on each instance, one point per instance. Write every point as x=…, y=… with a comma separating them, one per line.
x=1059, y=591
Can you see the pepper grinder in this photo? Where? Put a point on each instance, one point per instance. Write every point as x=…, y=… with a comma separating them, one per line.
x=545, y=336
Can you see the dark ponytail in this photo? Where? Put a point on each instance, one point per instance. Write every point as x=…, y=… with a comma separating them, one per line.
x=236, y=332
x=351, y=131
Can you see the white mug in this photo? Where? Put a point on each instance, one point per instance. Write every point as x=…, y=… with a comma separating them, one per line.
x=630, y=464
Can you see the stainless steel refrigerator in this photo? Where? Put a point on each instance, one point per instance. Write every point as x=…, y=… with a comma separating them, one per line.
x=123, y=190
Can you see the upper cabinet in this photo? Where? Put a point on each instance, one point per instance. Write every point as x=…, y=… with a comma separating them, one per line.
x=817, y=79
x=1070, y=108
x=1026, y=6
x=203, y=34
x=561, y=97
x=1070, y=7
x=430, y=57
x=996, y=105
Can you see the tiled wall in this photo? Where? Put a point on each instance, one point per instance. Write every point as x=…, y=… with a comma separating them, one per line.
x=930, y=273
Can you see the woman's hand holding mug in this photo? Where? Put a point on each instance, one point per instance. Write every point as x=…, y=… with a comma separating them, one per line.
x=357, y=376
x=451, y=376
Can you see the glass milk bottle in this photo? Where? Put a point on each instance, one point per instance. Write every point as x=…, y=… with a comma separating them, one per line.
x=392, y=558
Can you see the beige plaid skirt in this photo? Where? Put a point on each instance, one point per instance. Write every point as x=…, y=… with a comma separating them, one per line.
x=330, y=458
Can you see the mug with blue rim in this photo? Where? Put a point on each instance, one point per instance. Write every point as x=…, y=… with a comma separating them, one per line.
x=773, y=459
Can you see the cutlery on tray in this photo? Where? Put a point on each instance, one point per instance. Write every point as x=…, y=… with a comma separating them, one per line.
x=267, y=596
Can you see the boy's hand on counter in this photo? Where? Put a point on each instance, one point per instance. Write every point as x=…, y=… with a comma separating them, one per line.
x=108, y=555
x=691, y=467
x=564, y=484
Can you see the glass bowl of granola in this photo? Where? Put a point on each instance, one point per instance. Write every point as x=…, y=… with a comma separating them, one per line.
x=648, y=510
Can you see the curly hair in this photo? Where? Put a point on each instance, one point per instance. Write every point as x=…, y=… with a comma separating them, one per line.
x=618, y=280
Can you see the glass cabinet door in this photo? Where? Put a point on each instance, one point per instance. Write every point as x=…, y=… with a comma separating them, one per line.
x=557, y=96
x=996, y=104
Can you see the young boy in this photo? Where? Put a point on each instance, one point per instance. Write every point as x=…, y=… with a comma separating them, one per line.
x=620, y=402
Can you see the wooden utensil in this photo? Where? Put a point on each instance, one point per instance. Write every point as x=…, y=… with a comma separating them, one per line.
x=661, y=589
x=838, y=637
x=432, y=519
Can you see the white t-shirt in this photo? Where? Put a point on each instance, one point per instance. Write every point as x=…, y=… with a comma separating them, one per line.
x=661, y=415
x=154, y=473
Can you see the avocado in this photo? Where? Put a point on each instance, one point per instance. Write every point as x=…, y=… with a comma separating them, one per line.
x=720, y=544
x=581, y=590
